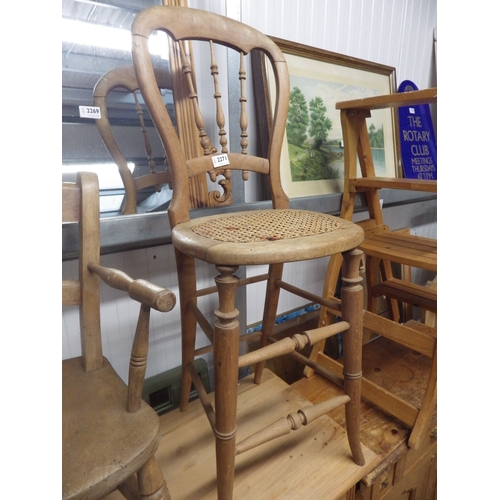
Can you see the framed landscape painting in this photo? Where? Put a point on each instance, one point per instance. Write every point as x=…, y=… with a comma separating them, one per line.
x=312, y=161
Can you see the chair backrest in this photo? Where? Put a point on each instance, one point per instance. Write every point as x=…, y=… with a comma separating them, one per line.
x=80, y=203
x=184, y=24
x=123, y=77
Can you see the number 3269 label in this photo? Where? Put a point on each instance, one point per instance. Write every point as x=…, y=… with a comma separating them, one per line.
x=220, y=160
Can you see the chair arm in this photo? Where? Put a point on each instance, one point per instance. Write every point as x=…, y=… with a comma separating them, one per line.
x=142, y=291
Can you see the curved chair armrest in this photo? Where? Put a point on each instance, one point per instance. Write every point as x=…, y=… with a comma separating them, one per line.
x=148, y=294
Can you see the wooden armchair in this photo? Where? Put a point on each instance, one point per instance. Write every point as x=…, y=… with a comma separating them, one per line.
x=382, y=247
x=123, y=77
x=109, y=436
x=271, y=237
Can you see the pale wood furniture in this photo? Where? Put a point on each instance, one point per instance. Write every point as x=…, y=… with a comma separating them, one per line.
x=109, y=436
x=266, y=237
x=400, y=472
x=123, y=77
x=381, y=247
x=186, y=454
x=393, y=471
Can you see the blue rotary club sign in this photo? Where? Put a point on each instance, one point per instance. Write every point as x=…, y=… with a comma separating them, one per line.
x=418, y=141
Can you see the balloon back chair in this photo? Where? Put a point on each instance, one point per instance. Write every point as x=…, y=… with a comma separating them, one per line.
x=109, y=435
x=123, y=78
x=270, y=237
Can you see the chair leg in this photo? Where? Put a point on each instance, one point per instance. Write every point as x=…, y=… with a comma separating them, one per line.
x=152, y=485
x=187, y=290
x=130, y=488
x=352, y=339
x=270, y=310
x=226, y=350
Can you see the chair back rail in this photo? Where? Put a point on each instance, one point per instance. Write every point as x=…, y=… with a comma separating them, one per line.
x=183, y=26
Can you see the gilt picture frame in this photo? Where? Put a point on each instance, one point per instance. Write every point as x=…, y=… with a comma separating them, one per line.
x=312, y=155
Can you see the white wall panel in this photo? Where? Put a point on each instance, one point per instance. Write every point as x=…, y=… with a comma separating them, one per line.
x=393, y=32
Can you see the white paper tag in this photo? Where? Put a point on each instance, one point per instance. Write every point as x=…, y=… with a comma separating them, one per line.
x=220, y=160
x=90, y=112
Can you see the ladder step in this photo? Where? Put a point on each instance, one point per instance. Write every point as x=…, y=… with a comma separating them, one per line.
x=410, y=293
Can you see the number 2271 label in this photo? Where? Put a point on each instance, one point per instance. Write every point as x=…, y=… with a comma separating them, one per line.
x=220, y=160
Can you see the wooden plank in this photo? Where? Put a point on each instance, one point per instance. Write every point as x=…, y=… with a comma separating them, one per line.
x=70, y=202
x=376, y=246
x=375, y=394
x=426, y=96
x=395, y=368
x=407, y=292
x=408, y=240
x=418, y=339
x=313, y=462
x=368, y=183
x=71, y=293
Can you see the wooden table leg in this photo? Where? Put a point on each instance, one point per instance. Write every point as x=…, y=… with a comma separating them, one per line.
x=226, y=350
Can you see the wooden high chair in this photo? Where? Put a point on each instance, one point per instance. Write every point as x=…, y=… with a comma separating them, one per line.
x=381, y=248
x=109, y=435
x=272, y=237
x=123, y=77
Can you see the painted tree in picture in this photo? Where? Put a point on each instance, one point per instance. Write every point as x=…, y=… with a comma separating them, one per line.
x=298, y=118
x=310, y=151
x=320, y=124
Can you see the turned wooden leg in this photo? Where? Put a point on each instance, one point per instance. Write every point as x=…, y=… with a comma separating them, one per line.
x=130, y=488
x=270, y=310
x=187, y=292
x=152, y=485
x=352, y=341
x=226, y=351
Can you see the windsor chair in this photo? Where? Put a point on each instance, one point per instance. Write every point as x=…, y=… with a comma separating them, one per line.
x=109, y=436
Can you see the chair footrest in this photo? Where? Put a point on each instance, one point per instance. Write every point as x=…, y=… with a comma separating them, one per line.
x=292, y=422
x=410, y=293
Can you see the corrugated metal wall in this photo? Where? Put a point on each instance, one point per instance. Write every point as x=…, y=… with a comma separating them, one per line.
x=397, y=33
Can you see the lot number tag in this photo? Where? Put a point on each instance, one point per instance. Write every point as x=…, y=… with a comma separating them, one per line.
x=90, y=112
x=220, y=160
